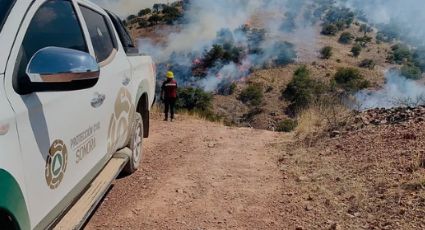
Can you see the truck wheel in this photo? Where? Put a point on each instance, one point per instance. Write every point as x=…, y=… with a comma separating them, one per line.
x=136, y=145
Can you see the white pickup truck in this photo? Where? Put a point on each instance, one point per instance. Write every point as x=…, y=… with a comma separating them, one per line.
x=75, y=97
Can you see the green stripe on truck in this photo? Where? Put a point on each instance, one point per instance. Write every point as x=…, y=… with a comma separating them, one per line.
x=12, y=199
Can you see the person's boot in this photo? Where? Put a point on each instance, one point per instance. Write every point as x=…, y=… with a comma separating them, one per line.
x=166, y=118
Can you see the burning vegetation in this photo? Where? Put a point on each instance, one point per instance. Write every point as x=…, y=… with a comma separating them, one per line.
x=218, y=56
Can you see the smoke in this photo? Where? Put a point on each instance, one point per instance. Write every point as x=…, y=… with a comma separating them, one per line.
x=402, y=21
x=405, y=17
x=397, y=92
x=290, y=32
x=258, y=29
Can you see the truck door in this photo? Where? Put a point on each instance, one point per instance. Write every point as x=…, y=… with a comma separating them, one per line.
x=63, y=135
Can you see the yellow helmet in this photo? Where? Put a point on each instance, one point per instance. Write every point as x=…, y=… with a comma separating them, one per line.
x=170, y=75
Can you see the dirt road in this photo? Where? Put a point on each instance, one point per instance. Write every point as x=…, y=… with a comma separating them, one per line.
x=198, y=175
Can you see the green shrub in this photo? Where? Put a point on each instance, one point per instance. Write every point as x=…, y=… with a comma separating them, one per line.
x=367, y=63
x=194, y=99
x=346, y=38
x=400, y=54
x=252, y=95
x=363, y=41
x=287, y=125
x=340, y=16
x=356, y=50
x=330, y=29
x=350, y=79
x=144, y=12
x=232, y=88
x=411, y=71
x=326, y=52
x=302, y=90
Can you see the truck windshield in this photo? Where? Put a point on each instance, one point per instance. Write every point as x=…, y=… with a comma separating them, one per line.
x=5, y=7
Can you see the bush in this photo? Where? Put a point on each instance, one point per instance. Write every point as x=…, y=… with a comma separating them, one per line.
x=287, y=125
x=346, y=38
x=356, y=50
x=411, y=71
x=194, y=99
x=350, y=79
x=342, y=17
x=326, y=52
x=367, y=63
x=155, y=19
x=302, y=90
x=363, y=41
x=143, y=23
x=144, y=12
x=329, y=29
x=131, y=17
x=232, y=88
x=400, y=54
x=419, y=58
x=252, y=95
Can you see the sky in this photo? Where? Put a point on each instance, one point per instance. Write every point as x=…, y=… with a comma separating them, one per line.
x=127, y=7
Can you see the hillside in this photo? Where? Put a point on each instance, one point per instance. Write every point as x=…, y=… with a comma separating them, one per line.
x=201, y=68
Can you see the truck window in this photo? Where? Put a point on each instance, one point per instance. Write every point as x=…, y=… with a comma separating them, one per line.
x=54, y=24
x=103, y=40
x=123, y=33
x=5, y=7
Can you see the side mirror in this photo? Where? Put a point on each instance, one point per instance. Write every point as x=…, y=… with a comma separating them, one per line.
x=61, y=69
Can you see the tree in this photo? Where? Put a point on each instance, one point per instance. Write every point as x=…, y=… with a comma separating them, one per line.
x=143, y=23
x=411, y=71
x=144, y=12
x=155, y=19
x=131, y=17
x=326, y=52
x=171, y=14
x=351, y=79
x=252, y=95
x=400, y=54
x=302, y=90
x=356, y=50
x=194, y=99
x=363, y=41
x=346, y=38
x=157, y=7
x=367, y=63
x=329, y=29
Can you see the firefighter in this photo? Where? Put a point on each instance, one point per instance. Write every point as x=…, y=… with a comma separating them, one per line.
x=169, y=95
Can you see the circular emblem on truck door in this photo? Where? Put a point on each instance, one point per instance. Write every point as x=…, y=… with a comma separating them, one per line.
x=56, y=164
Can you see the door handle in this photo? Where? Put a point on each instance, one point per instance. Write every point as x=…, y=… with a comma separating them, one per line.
x=97, y=100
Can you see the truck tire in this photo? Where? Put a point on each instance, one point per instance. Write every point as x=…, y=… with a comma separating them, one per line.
x=6, y=222
x=136, y=145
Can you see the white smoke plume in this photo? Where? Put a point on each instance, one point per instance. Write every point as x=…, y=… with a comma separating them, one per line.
x=205, y=19
x=406, y=15
x=397, y=92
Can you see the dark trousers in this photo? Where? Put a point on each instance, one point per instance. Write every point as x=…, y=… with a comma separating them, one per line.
x=170, y=103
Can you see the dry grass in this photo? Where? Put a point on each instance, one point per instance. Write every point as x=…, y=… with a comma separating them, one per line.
x=321, y=118
x=158, y=110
